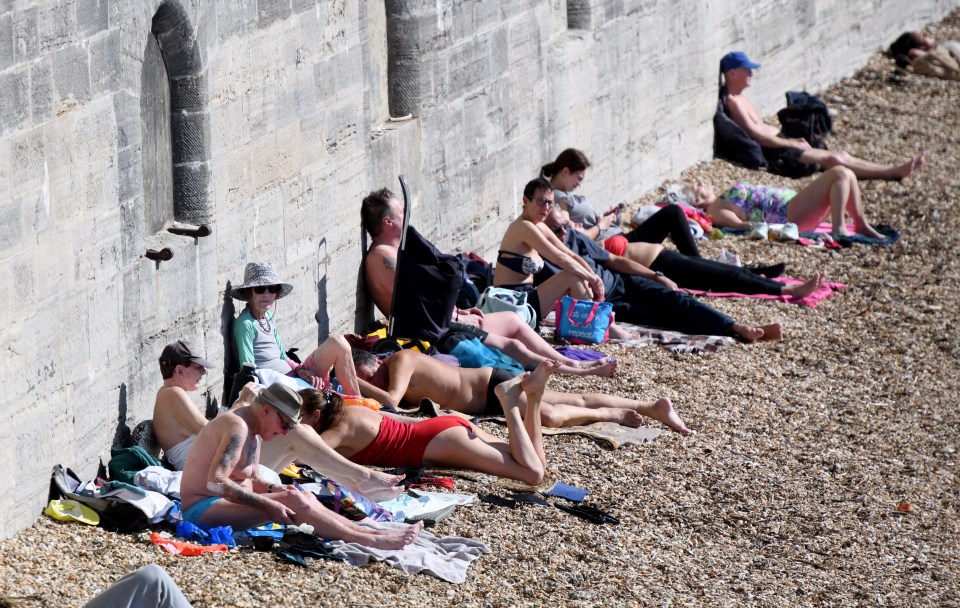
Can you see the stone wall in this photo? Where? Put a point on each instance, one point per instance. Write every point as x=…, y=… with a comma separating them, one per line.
x=280, y=124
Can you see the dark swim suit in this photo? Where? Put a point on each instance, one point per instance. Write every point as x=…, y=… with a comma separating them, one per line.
x=499, y=376
x=402, y=444
x=519, y=263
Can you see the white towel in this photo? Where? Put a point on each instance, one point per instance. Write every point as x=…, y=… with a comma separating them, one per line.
x=446, y=558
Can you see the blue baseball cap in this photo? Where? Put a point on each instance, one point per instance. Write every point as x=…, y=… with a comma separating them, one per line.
x=737, y=59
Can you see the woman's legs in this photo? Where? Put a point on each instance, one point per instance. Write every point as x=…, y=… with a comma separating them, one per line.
x=335, y=353
x=669, y=221
x=561, y=284
x=863, y=169
x=520, y=458
x=508, y=333
x=832, y=192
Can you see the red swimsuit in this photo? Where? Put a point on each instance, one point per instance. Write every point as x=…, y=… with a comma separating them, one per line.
x=402, y=444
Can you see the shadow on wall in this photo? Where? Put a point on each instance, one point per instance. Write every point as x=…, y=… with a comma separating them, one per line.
x=230, y=366
x=122, y=435
x=363, y=314
x=323, y=313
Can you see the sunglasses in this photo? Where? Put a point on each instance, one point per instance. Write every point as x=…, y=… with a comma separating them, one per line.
x=559, y=229
x=274, y=289
x=544, y=202
x=286, y=426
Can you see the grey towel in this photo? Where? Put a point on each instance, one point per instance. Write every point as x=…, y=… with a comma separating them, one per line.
x=446, y=558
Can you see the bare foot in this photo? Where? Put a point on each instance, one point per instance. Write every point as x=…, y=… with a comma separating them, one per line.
x=535, y=382
x=869, y=231
x=662, y=411
x=619, y=333
x=393, y=539
x=770, y=332
x=629, y=418
x=381, y=487
x=605, y=369
x=802, y=290
x=914, y=164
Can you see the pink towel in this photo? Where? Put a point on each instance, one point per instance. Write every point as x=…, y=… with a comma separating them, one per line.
x=824, y=291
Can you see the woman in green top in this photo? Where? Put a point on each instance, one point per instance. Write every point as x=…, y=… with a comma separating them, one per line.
x=257, y=339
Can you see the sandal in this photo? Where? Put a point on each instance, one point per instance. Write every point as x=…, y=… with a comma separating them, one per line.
x=589, y=513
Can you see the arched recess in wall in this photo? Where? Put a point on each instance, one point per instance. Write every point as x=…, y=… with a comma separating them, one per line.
x=175, y=123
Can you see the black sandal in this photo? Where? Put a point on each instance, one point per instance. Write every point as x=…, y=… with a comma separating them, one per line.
x=591, y=514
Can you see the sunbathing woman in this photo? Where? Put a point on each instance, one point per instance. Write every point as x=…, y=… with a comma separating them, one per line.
x=370, y=438
x=257, y=339
x=526, y=240
x=737, y=71
x=832, y=193
x=568, y=171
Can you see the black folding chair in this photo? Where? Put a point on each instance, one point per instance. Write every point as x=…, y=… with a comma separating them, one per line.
x=425, y=287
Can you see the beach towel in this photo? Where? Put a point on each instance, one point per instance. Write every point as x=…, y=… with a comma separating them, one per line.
x=825, y=290
x=673, y=341
x=446, y=558
x=609, y=435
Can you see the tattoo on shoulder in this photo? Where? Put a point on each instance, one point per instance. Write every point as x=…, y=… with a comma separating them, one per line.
x=230, y=453
x=390, y=263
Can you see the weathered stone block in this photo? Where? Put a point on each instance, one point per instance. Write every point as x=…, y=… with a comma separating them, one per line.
x=104, y=64
x=41, y=91
x=92, y=16
x=11, y=226
x=71, y=77
x=15, y=98
x=188, y=92
x=233, y=18
x=190, y=136
x=6, y=41
x=191, y=192
x=271, y=11
x=26, y=43
x=56, y=26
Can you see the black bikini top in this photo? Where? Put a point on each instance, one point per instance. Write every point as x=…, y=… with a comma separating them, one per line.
x=519, y=263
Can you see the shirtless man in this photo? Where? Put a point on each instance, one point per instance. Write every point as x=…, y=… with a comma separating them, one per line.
x=221, y=486
x=382, y=216
x=412, y=376
x=176, y=420
x=302, y=445
x=738, y=75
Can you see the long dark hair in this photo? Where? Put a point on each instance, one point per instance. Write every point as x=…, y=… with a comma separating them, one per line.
x=329, y=404
x=571, y=159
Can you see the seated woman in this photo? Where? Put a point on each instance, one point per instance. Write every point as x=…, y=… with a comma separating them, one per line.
x=370, y=438
x=737, y=71
x=568, y=171
x=835, y=191
x=526, y=240
x=696, y=272
x=257, y=339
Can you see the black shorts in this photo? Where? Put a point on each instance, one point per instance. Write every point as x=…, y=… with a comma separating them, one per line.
x=498, y=376
x=782, y=155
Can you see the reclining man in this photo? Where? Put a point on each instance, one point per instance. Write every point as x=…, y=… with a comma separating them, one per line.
x=177, y=421
x=411, y=376
x=382, y=217
x=221, y=485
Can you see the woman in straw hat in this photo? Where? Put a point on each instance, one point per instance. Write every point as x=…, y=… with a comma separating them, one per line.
x=257, y=339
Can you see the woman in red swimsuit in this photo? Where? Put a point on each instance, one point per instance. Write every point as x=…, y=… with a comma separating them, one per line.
x=371, y=438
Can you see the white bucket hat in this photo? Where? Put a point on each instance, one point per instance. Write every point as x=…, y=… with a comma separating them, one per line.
x=260, y=275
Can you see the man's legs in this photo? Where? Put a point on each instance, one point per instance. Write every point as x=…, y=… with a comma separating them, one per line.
x=307, y=509
x=567, y=409
x=148, y=587
x=863, y=169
